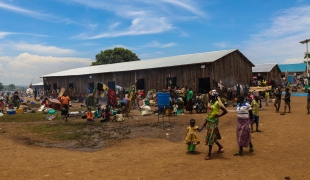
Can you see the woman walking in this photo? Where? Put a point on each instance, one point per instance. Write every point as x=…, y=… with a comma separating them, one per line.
x=244, y=116
x=211, y=123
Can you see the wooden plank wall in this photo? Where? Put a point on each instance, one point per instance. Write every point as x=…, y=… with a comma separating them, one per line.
x=274, y=74
x=231, y=70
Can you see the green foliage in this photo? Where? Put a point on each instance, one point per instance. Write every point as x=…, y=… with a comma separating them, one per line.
x=115, y=55
x=1, y=86
x=11, y=87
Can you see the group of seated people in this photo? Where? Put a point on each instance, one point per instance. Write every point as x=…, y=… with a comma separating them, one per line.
x=99, y=113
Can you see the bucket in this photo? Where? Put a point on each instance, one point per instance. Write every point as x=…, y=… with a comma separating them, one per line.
x=52, y=111
x=163, y=99
x=191, y=147
x=168, y=112
x=147, y=103
x=11, y=112
x=20, y=111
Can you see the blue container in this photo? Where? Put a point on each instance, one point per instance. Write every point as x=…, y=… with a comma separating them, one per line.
x=11, y=112
x=163, y=99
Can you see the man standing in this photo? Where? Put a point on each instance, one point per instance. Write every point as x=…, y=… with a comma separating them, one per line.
x=287, y=100
x=35, y=93
x=65, y=100
x=277, y=101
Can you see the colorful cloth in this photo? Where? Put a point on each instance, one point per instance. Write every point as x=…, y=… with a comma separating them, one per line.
x=112, y=98
x=189, y=95
x=255, y=107
x=213, y=133
x=243, y=132
x=214, y=109
x=191, y=136
x=189, y=105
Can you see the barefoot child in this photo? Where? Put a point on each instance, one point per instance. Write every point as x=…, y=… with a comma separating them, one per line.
x=90, y=116
x=191, y=136
x=267, y=97
x=255, y=109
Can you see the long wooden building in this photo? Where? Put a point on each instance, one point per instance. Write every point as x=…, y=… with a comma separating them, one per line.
x=197, y=71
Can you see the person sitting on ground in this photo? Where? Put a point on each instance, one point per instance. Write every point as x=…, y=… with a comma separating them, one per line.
x=98, y=112
x=90, y=116
x=107, y=113
x=1, y=106
x=45, y=102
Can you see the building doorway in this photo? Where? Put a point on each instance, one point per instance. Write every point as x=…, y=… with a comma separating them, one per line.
x=204, y=85
x=171, y=81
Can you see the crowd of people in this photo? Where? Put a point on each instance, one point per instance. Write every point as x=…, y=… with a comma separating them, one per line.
x=248, y=109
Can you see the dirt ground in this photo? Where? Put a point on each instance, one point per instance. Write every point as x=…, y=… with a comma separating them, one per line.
x=149, y=151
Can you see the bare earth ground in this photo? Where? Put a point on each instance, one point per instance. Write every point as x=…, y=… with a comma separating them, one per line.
x=145, y=150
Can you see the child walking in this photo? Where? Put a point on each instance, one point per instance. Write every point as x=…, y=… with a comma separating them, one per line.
x=191, y=136
x=267, y=97
x=255, y=109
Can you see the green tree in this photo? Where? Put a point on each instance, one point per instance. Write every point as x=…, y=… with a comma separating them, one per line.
x=115, y=55
x=11, y=87
x=1, y=86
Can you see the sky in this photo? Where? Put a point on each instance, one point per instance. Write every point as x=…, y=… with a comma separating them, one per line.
x=39, y=37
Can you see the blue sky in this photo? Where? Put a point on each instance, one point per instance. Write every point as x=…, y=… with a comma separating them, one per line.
x=39, y=37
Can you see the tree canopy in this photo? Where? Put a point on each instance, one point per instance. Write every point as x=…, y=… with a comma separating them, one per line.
x=1, y=86
x=115, y=55
x=11, y=87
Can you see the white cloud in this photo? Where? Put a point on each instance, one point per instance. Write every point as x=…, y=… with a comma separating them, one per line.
x=294, y=61
x=152, y=17
x=21, y=69
x=221, y=44
x=280, y=42
x=37, y=49
x=139, y=26
x=4, y=34
x=155, y=44
x=41, y=16
x=186, y=5
x=114, y=25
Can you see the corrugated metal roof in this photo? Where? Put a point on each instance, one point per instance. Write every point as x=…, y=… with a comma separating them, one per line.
x=147, y=64
x=38, y=84
x=263, y=67
x=301, y=67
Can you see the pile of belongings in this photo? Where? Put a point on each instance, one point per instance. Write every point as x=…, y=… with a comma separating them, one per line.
x=146, y=110
x=49, y=118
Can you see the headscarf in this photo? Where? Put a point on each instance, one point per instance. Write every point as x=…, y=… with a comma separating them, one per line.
x=213, y=93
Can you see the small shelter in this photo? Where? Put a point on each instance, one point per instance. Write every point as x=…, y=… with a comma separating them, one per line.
x=270, y=71
x=38, y=86
x=292, y=70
